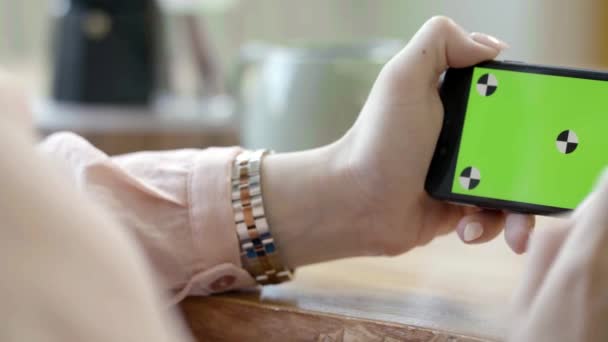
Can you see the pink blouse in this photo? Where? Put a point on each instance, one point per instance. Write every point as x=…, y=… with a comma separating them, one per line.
x=175, y=203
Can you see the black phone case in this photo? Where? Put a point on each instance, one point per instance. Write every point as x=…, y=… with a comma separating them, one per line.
x=442, y=169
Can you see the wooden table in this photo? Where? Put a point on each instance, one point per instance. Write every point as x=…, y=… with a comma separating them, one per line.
x=445, y=291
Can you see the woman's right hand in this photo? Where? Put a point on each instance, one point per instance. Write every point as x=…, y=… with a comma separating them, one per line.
x=564, y=293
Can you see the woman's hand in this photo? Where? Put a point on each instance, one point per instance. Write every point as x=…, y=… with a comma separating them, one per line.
x=364, y=194
x=564, y=293
x=390, y=147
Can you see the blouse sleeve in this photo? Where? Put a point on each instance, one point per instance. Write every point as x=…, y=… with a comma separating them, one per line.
x=175, y=203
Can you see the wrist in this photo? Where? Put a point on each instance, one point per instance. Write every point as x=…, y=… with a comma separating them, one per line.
x=308, y=208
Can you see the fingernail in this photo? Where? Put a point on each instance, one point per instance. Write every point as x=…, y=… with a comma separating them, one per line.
x=472, y=231
x=488, y=40
x=517, y=231
x=517, y=220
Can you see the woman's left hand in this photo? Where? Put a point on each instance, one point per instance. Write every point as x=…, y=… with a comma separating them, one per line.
x=364, y=194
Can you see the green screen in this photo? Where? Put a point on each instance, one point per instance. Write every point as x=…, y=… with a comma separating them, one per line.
x=532, y=138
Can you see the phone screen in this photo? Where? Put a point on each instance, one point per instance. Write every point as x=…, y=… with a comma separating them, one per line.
x=532, y=138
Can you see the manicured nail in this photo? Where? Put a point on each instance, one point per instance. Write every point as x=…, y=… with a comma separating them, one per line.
x=517, y=231
x=488, y=40
x=472, y=231
x=516, y=221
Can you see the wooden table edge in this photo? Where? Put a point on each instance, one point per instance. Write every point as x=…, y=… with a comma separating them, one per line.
x=237, y=318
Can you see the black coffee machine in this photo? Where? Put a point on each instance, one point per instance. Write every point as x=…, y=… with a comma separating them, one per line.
x=108, y=52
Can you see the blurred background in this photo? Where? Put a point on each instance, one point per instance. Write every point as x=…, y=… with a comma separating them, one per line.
x=284, y=74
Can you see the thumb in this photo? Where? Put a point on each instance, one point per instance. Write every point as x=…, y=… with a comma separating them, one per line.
x=591, y=228
x=441, y=43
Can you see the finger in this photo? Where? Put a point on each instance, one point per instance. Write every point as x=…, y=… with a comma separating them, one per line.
x=517, y=231
x=469, y=210
x=575, y=280
x=480, y=227
x=440, y=43
x=589, y=236
x=545, y=244
x=584, y=207
x=591, y=229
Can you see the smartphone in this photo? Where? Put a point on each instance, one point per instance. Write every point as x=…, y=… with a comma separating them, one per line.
x=520, y=137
